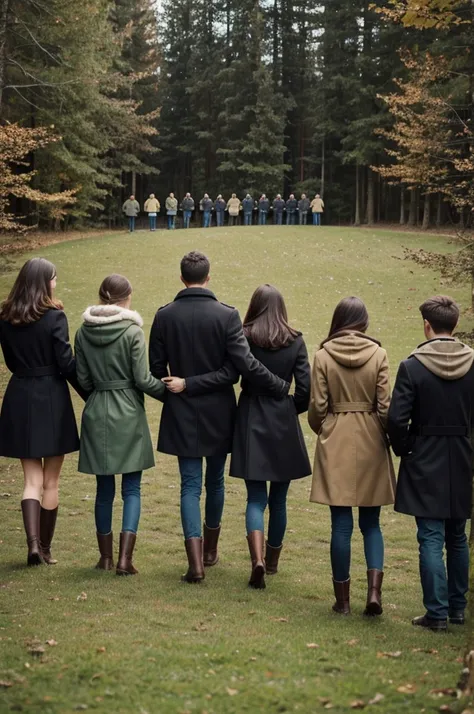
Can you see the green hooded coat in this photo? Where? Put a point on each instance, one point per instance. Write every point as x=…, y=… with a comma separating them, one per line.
x=111, y=362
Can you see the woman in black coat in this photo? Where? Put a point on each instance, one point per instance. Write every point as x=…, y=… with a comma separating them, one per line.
x=37, y=423
x=268, y=442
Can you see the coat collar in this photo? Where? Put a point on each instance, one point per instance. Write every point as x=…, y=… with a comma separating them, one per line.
x=106, y=314
x=195, y=292
x=437, y=339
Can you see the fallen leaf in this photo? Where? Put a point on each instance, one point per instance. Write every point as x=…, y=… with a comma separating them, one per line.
x=279, y=619
x=378, y=698
x=425, y=650
x=312, y=646
x=36, y=650
x=406, y=689
x=100, y=650
x=5, y=684
x=231, y=692
x=387, y=655
x=51, y=643
x=445, y=708
x=357, y=704
x=54, y=598
x=252, y=612
x=353, y=642
x=252, y=659
x=324, y=700
x=82, y=596
x=444, y=692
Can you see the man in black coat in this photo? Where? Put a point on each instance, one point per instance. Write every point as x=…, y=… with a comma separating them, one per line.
x=429, y=425
x=201, y=340
x=278, y=207
x=291, y=207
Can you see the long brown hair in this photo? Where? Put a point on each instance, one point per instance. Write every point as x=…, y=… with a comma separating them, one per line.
x=266, y=322
x=31, y=295
x=350, y=315
x=114, y=288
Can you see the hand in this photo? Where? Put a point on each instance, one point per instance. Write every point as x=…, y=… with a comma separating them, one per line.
x=175, y=384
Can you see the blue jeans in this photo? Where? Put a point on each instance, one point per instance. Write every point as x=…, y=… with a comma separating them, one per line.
x=206, y=219
x=220, y=218
x=104, y=502
x=257, y=501
x=443, y=594
x=152, y=220
x=290, y=218
x=131, y=223
x=191, y=488
x=316, y=219
x=247, y=219
x=342, y=523
x=302, y=217
x=278, y=218
x=262, y=218
x=186, y=218
x=171, y=222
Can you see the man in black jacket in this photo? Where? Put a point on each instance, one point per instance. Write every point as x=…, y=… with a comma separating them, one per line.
x=202, y=340
x=429, y=425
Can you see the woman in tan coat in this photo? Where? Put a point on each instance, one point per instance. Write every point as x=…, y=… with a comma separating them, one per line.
x=350, y=396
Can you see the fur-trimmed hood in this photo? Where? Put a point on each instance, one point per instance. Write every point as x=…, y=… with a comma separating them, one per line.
x=103, y=324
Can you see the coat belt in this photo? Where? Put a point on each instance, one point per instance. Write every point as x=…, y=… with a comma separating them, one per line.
x=47, y=371
x=114, y=385
x=341, y=407
x=441, y=430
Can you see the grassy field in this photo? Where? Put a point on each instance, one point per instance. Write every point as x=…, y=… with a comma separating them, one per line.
x=152, y=644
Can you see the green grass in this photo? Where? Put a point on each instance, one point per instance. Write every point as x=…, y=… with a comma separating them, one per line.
x=151, y=644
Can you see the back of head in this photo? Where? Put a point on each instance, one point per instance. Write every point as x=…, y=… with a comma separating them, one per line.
x=114, y=289
x=195, y=268
x=350, y=315
x=442, y=313
x=152, y=195
x=32, y=293
x=266, y=322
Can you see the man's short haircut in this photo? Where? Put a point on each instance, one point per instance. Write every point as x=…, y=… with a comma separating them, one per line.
x=441, y=312
x=195, y=267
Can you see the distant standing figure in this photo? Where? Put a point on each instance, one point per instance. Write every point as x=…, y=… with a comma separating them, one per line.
x=303, y=208
x=233, y=206
x=171, y=210
x=263, y=208
x=247, y=205
x=188, y=207
x=131, y=208
x=291, y=207
x=206, y=206
x=317, y=206
x=278, y=207
x=219, y=208
x=152, y=207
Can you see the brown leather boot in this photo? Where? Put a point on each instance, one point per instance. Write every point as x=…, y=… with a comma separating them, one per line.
x=342, y=594
x=47, y=526
x=272, y=556
x=374, y=592
x=194, y=551
x=106, y=549
x=256, y=541
x=211, y=538
x=127, y=544
x=31, y=509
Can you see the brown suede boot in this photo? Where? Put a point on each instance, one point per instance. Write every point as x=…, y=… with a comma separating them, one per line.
x=342, y=594
x=31, y=509
x=47, y=526
x=272, y=556
x=211, y=538
x=374, y=592
x=256, y=541
x=127, y=544
x=194, y=551
x=106, y=549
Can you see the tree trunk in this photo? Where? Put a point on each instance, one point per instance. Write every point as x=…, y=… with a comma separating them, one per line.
x=379, y=197
x=370, y=212
x=323, y=166
x=426, y=212
x=439, y=208
x=412, y=217
x=134, y=183
x=402, y=206
x=4, y=9
x=357, y=198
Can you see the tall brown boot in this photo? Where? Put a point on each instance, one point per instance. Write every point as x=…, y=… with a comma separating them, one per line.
x=342, y=594
x=211, y=538
x=272, y=556
x=127, y=544
x=256, y=541
x=106, y=549
x=47, y=526
x=194, y=551
x=374, y=592
x=31, y=509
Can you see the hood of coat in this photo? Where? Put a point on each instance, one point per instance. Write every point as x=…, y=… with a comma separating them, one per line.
x=104, y=324
x=446, y=358
x=351, y=349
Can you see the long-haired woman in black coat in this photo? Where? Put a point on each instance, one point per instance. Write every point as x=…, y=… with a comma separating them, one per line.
x=268, y=442
x=37, y=423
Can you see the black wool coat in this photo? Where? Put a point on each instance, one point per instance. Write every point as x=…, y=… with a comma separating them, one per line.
x=429, y=426
x=201, y=339
x=268, y=441
x=37, y=417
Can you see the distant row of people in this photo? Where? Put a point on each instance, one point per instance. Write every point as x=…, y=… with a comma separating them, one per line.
x=292, y=207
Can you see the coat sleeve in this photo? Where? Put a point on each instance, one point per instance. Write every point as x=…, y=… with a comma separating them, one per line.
x=319, y=400
x=383, y=392
x=400, y=412
x=141, y=374
x=157, y=351
x=63, y=353
x=302, y=374
x=212, y=381
x=84, y=376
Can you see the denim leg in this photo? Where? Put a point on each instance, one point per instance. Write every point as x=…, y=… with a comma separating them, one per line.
x=342, y=525
x=104, y=501
x=131, y=501
x=304, y=216
x=457, y=559
x=431, y=535
x=257, y=500
x=318, y=219
x=191, y=487
x=214, y=490
x=315, y=220
x=277, y=510
x=131, y=223
x=369, y=524
x=288, y=219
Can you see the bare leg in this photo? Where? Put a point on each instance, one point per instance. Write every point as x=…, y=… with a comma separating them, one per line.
x=31, y=506
x=33, y=472
x=51, y=473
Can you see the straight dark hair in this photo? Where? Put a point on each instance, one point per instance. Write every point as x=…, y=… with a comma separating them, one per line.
x=350, y=315
x=195, y=268
x=31, y=295
x=114, y=288
x=266, y=322
x=441, y=312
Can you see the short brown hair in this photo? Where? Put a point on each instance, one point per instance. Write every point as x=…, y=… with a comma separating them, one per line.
x=195, y=267
x=114, y=288
x=31, y=295
x=441, y=312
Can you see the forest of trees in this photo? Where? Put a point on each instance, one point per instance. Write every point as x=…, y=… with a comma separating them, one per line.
x=371, y=105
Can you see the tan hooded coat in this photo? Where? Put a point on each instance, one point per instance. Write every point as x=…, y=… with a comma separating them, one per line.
x=350, y=397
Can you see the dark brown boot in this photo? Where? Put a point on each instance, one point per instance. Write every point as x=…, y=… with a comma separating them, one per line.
x=31, y=509
x=194, y=551
x=106, y=549
x=211, y=538
x=127, y=544
x=47, y=526
x=272, y=556
x=257, y=577
x=374, y=592
x=342, y=594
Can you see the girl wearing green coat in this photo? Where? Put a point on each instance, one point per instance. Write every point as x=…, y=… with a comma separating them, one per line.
x=111, y=363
